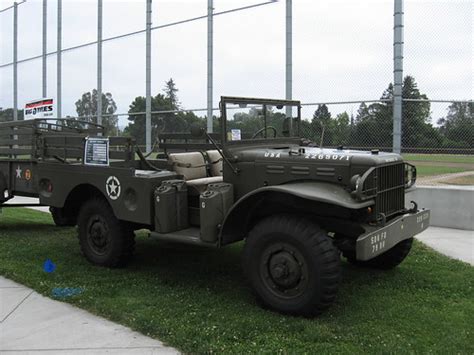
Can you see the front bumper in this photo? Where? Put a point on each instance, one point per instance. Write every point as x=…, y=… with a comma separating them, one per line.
x=379, y=240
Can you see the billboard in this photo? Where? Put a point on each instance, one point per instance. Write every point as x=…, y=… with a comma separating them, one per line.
x=42, y=108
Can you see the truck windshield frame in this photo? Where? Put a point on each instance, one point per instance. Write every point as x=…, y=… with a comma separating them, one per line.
x=245, y=102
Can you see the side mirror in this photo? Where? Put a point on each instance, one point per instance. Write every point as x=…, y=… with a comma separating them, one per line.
x=197, y=131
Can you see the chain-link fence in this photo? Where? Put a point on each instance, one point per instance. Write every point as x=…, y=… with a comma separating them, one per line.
x=341, y=51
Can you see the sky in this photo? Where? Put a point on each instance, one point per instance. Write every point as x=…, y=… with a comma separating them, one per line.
x=342, y=50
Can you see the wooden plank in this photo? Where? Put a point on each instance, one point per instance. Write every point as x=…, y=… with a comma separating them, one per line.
x=189, y=136
x=114, y=154
x=63, y=153
x=19, y=141
x=16, y=132
x=61, y=141
x=187, y=146
x=15, y=151
x=121, y=140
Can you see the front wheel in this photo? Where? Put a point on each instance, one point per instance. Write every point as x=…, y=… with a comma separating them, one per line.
x=104, y=240
x=292, y=265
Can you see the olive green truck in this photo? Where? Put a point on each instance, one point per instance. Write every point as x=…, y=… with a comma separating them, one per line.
x=297, y=206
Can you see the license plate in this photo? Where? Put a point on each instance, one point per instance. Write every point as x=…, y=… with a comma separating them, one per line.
x=378, y=241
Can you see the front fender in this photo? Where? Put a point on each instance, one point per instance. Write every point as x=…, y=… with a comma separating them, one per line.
x=233, y=227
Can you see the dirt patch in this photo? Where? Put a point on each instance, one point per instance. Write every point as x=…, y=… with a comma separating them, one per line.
x=464, y=178
x=442, y=163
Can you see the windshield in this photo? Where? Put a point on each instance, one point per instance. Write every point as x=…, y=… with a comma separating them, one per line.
x=245, y=119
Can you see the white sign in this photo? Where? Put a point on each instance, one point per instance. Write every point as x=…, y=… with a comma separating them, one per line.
x=96, y=151
x=42, y=108
x=235, y=134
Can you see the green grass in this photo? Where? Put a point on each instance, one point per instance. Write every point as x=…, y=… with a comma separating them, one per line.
x=196, y=299
x=428, y=170
x=440, y=158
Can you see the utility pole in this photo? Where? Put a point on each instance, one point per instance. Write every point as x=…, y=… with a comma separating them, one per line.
x=148, y=78
x=59, y=61
x=45, y=33
x=210, y=39
x=289, y=57
x=397, y=75
x=15, y=61
x=99, y=62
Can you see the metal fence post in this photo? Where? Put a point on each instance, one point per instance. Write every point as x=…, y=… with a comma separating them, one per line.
x=59, y=61
x=148, y=78
x=289, y=56
x=15, y=60
x=210, y=39
x=45, y=34
x=398, y=75
x=99, y=62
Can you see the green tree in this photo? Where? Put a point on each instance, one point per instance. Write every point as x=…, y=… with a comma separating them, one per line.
x=160, y=122
x=86, y=108
x=171, y=91
x=7, y=115
x=458, y=125
x=374, y=124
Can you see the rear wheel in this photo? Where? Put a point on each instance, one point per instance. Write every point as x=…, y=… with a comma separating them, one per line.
x=104, y=240
x=292, y=265
x=388, y=260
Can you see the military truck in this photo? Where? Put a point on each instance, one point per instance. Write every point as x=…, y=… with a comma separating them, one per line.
x=296, y=205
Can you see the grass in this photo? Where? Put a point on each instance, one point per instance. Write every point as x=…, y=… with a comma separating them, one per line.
x=428, y=170
x=469, y=159
x=196, y=299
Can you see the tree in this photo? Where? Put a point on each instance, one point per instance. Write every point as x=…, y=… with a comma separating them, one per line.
x=374, y=124
x=458, y=126
x=86, y=108
x=170, y=91
x=7, y=115
x=160, y=122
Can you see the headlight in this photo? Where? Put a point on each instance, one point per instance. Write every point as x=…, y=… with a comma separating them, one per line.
x=354, y=183
x=410, y=175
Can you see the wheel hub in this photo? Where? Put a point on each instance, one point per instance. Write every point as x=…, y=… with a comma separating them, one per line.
x=98, y=235
x=284, y=269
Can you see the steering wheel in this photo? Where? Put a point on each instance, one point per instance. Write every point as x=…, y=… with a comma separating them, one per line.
x=261, y=130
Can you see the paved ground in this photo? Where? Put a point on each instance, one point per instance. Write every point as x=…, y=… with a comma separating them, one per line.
x=33, y=324
x=455, y=243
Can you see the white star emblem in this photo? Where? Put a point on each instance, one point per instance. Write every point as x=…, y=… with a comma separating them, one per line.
x=112, y=186
x=18, y=172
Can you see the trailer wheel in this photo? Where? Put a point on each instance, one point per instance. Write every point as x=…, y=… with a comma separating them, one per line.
x=60, y=218
x=292, y=265
x=104, y=240
x=388, y=260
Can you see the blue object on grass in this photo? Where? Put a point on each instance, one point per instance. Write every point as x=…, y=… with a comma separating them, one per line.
x=49, y=266
x=63, y=292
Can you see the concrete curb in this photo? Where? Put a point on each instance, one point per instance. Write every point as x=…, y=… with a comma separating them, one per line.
x=451, y=206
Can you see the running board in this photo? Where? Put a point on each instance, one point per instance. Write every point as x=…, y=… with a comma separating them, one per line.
x=186, y=236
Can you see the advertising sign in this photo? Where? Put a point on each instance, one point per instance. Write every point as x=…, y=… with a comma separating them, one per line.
x=42, y=108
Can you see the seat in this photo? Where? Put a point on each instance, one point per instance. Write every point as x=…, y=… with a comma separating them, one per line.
x=193, y=167
x=215, y=162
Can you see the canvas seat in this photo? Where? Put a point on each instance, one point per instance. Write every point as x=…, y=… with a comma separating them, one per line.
x=193, y=167
x=215, y=162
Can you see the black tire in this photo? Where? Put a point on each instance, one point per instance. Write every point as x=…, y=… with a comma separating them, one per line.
x=60, y=218
x=292, y=265
x=388, y=260
x=104, y=240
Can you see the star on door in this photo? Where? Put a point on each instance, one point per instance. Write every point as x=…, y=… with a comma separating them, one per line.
x=18, y=172
x=112, y=186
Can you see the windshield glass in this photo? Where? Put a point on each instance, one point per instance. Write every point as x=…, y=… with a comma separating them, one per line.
x=260, y=121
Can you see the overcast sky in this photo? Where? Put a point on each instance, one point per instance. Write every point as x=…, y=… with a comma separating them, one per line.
x=342, y=50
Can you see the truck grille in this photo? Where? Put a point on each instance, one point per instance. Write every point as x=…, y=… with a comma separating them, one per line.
x=387, y=185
